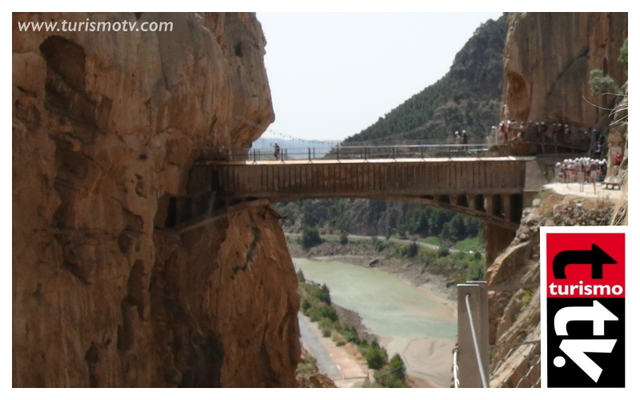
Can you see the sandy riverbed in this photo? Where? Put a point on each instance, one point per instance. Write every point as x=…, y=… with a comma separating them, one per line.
x=428, y=361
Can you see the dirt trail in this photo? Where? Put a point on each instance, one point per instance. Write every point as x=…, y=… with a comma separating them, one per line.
x=353, y=371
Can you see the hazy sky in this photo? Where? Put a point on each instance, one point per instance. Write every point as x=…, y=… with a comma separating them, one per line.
x=334, y=74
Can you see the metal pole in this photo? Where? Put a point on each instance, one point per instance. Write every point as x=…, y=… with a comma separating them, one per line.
x=484, y=323
x=473, y=355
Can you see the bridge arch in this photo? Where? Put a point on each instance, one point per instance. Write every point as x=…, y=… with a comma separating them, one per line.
x=489, y=188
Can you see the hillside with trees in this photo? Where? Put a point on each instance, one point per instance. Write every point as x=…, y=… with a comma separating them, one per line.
x=467, y=97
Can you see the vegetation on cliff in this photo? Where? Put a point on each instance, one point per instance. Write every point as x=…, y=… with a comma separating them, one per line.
x=377, y=218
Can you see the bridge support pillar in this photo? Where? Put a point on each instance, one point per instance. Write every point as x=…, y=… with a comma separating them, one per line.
x=496, y=239
x=506, y=206
x=478, y=203
x=462, y=201
x=494, y=205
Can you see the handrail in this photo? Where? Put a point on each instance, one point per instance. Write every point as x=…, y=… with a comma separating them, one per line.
x=456, y=381
x=475, y=342
x=347, y=152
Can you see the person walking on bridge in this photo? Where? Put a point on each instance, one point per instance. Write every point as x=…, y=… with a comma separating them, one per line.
x=465, y=138
x=276, y=150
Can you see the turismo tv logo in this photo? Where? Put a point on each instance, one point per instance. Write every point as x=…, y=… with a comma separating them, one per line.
x=584, y=276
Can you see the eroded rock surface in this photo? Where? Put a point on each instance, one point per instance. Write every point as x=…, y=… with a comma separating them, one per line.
x=547, y=60
x=106, y=126
x=514, y=287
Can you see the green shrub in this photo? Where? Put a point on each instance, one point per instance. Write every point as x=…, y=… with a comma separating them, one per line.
x=318, y=293
x=392, y=375
x=344, y=239
x=350, y=334
x=377, y=244
x=326, y=325
x=376, y=356
x=317, y=313
x=624, y=52
x=310, y=237
x=300, y=276
x=476, y=271
x=409, y=250
x=397, y=369
x=443, y=251
x=368, y=384
x=601, y=83
x=305, y=306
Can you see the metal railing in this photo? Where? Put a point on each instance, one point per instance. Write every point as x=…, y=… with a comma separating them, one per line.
x=414, y=151
x=476, y=345
x=471, y=359
x=542, y=147
x=518, y=368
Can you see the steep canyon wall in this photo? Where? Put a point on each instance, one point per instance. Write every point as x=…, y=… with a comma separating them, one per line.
x=106, y=126
x=547, y=60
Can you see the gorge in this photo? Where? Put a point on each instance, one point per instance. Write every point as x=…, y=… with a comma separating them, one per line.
x=106, y=130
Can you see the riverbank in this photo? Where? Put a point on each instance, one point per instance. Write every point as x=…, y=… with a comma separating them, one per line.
x=352, y=368
x=428, y=360
x=409, y=271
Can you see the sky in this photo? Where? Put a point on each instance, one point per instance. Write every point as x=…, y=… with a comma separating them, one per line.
x=334, y=74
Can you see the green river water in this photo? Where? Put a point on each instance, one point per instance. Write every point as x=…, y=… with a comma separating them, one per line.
x=388, y=306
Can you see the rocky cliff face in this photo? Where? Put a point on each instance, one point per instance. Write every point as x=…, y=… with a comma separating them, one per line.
x=106, y=126
x=514, y=287
x=547, y=60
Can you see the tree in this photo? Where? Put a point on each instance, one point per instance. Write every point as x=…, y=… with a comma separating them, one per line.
x=310, y=237
x=422, y=224
x=443, y=251
x=344, y=239
x=397, y=369
x=324, y=294
x=411, y=250
x=437, y=220
x=300, y=276
x=447, y=233
x=376, y=358
x=458, y=227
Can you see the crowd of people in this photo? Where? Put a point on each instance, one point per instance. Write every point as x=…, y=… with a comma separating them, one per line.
x=542, y=131
x=586, y=169
x=582, y=169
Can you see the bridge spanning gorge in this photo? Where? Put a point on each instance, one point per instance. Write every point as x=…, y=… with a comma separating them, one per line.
x=490, y=188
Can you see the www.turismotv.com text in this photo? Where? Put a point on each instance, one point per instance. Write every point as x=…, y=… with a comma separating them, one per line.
x=93, y=26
